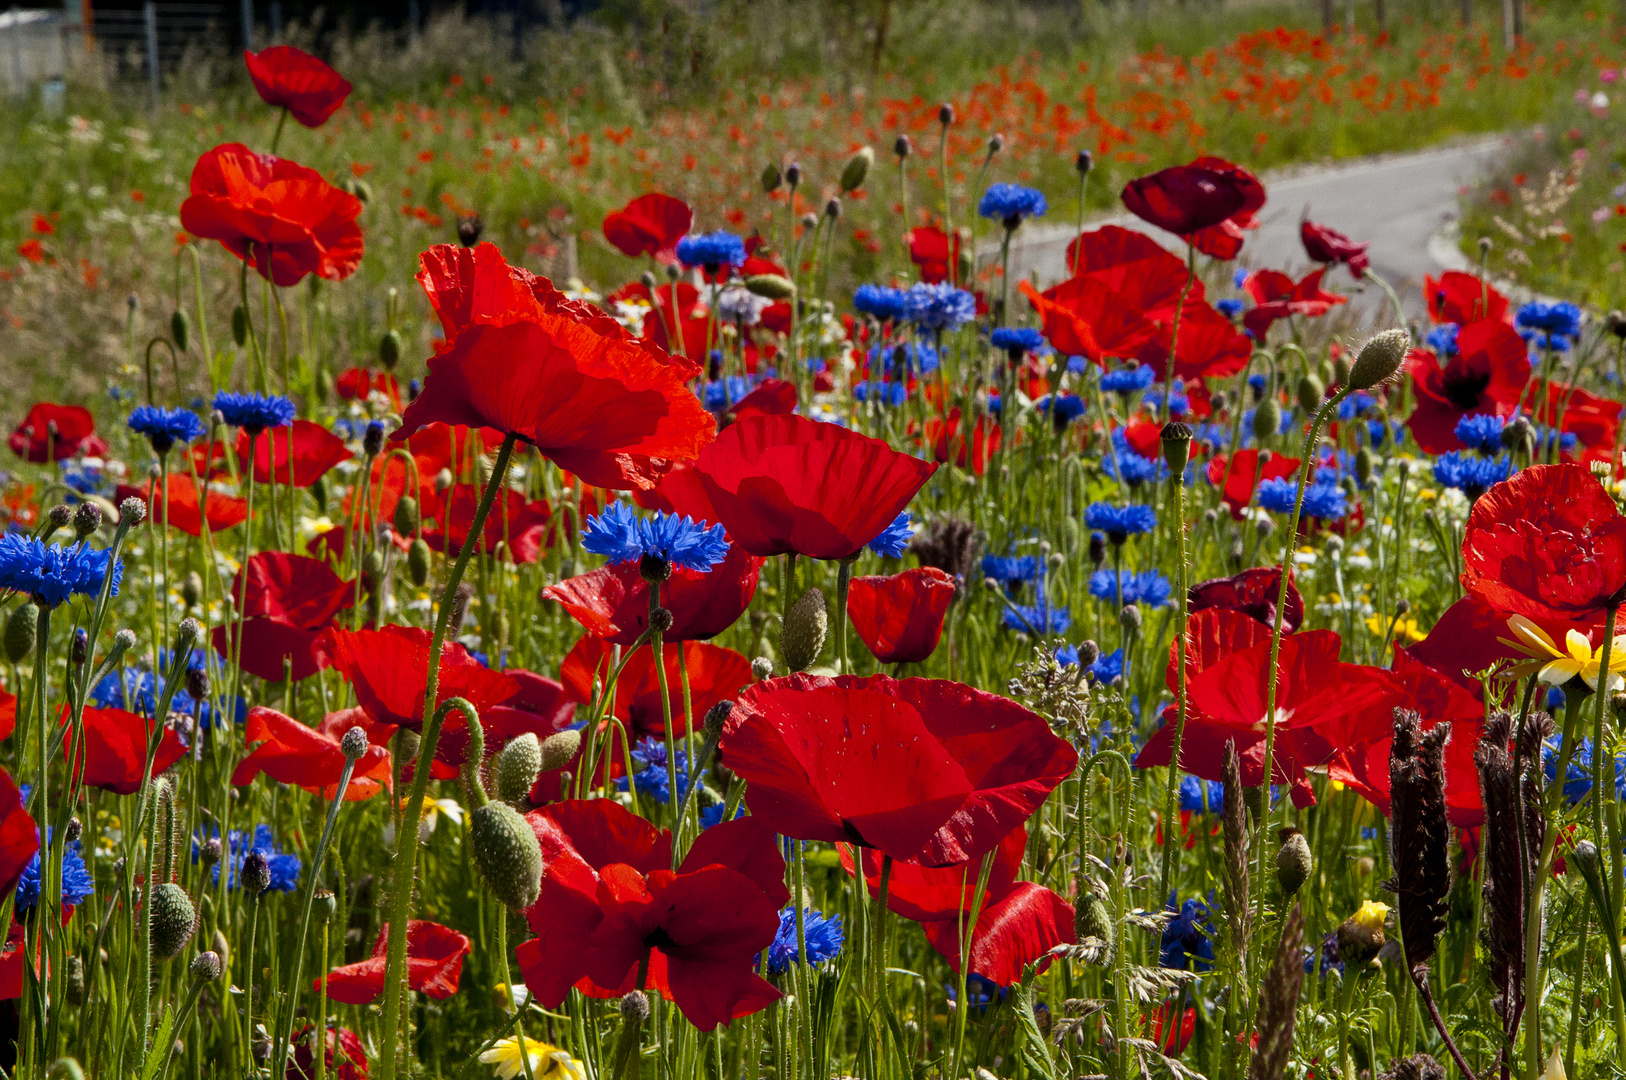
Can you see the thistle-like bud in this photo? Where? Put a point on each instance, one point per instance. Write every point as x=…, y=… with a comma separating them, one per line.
x=1519, y=435
x=996, y=143
x=1267, y=418
x=1084, y=162
x=1176, y=439
x=197, y=683
x=1097, y=549
x=1311, y=393
x=771, y=178
x=771, y=286
x=255, y=874
x=1379, y=359
x=180, y=330
x=1364, y=465
x=187, y=631
x=810, y=220
x=793, y=175
x=354, y=744
x=857, y=169
x=1293, y=862
x=21, y=629
x=74, y=830
x=1484, y=246
x=1130, y=618
x=647, y=280
x=807, y=622
x=206, y=967
x=660, y=620
x=418, y=562
x=635, y=1007
x=59, y=516
x=1264, y=525
x=407, y=516
x=239, y=325
x=516, y=766
x=469, y=230
x=210, y=851
x=79, y=651
x=372, y=440
x=902, y=147
x=171, y=920
x=87, y=518
x=762, y=668
x=832, y=208
x=945, y=114
x=1615, y=323
x=389, y=349
x=506, y=853
x=1088, y=653
x=716, y=717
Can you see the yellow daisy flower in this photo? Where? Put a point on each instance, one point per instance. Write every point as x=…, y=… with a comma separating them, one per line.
x=548, y=1062
x=1555, y=666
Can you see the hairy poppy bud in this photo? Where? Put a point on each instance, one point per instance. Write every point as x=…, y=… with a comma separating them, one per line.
x=557, y=750
x=418, y=562
x=389, y=349
x=1176, y=439
x=771, y=178
x=1084, y=162
x=1267, y=418
x=1293, y=862
x=1340, y=371
x=180, y=330
x=902, y=147
x=945, y=114
x=324, y=905
x=358, y=187
x=21, y=629
x=74, y=988
x=192, y=589
x=771, y=286
x=1364, y=464
x=255, y=875
x=239, y=325
x=1379, y=359
x=1091, y=919
x=443, y=480
x=807, y=622
x=793, y=174
x=660, y=620
x=206, y=967
x=372, y=568
x=858, y=166
x=171, y=919
x=407, y=517
x=1311, y=393
x=506, y=853
x=516, y=766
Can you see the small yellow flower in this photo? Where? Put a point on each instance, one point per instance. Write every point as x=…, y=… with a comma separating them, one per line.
x=1556, y=667
x=1370, y=915
x=547, y=1062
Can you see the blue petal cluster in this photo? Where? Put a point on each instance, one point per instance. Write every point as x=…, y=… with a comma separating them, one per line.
x=880, y=301
x=1443, y=340
x=1069, y=407
x=166, y=427
x=650, y=778
x=1130, y=380
x=894, y=539
x=77, y=882
x=822, y=933
x=1553, y=325
x=1201, y=796
x=1148, y=588
x=255, y=412
x=1122, y=462
x=891, y=394
x=54, y=573
x=940, y=306
x=1040, y=618
x=1107, y=667
x=1187, y=940
x=711, y=250
x=138, y=691
x=1011, y=203
x=721, y=393
x=1323, y=499
x=1006, y=569
x=1481, y=431
x=1229, y=306
x=1120, y=522
x=620, y=535
x=1016, y=338
x=1471, y=474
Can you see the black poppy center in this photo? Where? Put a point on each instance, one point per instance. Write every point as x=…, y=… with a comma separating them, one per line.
x=1463, y=390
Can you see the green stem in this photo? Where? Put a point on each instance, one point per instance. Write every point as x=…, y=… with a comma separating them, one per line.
x=1171, y=844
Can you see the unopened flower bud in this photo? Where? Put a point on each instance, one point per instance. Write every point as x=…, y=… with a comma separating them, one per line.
x=807, y=622
x=771, y=286
x=74, y=988
x=1084, y=162
x=418, y=562
x=59, y=516
x=558, y=749
x=1088, y=653
x=647, y=279
x=239, y=326
x=87, y=518
x=79, y=651
x=660, y=620
x=180, y=330
x=1264, y=525
x=206, y=967
x=1293, y=862
x=1360, y=937
x=515, y=766
x=857, y=168
x=210, y=851
x=635, y=1007
x=354, y=744
x=716, y=717
x=389, y=349
x=197, y=683
x=771, y=178
x=1130, y=617
x=407, y=516
x=1311, y=393
x=74, y=830
x=1340, y=371
x=1484, y=246
x=255, y=874
x=762, y=668
x=171, y=920
x=1379, y=359
x=1364, y=465
x=192, y=589
x=506, y=853
x=793, y=175
x=1615, y=323
x=469, y=230
x=1267, y=418
x=1091, y=919
x=996, y=143
x=832, y=209
x=22, y=627
x=902, y=147
x=372, y=440
x=945, y=114
x=1097, y=549
x=187, y=631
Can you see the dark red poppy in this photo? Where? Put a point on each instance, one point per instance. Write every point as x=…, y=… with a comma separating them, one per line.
x=923, y=770
x=1253, y=593
x=433, y=448
x=1326, y=245
x=541, y=707
x=344, y=1057
x=934, y=252
x=292, y=79
x=787, y=483
x=1572, y=410
x=672, y=304
x=611, y=906
x=1209, y=345
x=1186, y=199
x=389, y=671
x=290, y=600
x=291, y=753
x=19, y=836
x=649, y=225
x=1135, y=266
x=300, y=454
x=1224, y=240
x=1019, y=922
x=1145, y=437
x=225, y=511
x=1276, y=296
x=359, y=383
x=434, y=965
x=900, y=616
x=612, y=602
x=13, y=975
x=1486, y=376
x=1084, y=317
x=115, y=749
x=1548, y=544
x=282, y=217
x=950, y=442
x=1463, y=298
x=772, y=397
x=52, y=432
x=715, y=674
x=520, y=357
x=520, y=524
x=8, y=713
x=1242, y=472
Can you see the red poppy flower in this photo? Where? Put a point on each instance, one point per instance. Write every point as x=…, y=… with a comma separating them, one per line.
x=300, y=455
x=1084, y=317
x=1209, y=346
x=389, y=671
x=671, y=304
x=935, y=252
x=115, y=749
x=434, y=965
x=290, y=600
x=1242, y=472
x=947, y=438
x=359, y=383
x=715, y=674
x=900, y=616
x=922, y=769
x=12, y=973
x=19, y=836
x=541, y=707
x=611, y=905
x=1572, y=410
x=1019, y=922
x=772, y=397
x=787, y=483
x=521, y=358
x=1548, y=544
x=53, y=432
x=284, y=217
x=649, y=225
x=289, y=78
x=225, y=511
x=8, y=713
x=1331, y=246
x=1224, y=240
x=522, y=525
x=1276, y=296
x=291, y=753
x=1486, y=376
x=1179, y=1036
x=1462, y=298
x=344, y=1057
x=435, y=447
x=1253, y=593
x=612, y=602
x=1186, y=199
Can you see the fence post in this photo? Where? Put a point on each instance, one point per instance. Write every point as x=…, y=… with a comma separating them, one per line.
x=149, y=13
x=248, y=24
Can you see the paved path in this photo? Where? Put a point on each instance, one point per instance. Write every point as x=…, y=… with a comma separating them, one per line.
x=1403, y=203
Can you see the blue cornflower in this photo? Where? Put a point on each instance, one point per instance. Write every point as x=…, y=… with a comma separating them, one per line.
x=1120, y=522
x=713, y=814
x=1443, y=340
x=980, y=991
x=1016, y=339
x=1187, y=938
x=1355, y=405
x=285, y=866
x=1040, y=617
x=1380, y=433
x=1554, y=325
x=1010, y=203
x=1128, y=381
x=1178, y=405
x=894, y=539
x=1147, y=588
x=166, y=427
x=77, y=882
x=1278, y=494
x=1229, y=306
x=87, y=479
x=1472, y=474
x=1069, y=407
x=940, y=306
x=822, y=933
x=897, y=360
x=880, y=301
x=1482, y=432
x=650, y=778
x=1327, y=955
x=54, y=574
x=711, y=250
x=1239, y=277
x=1077, y=365
x=1007, y=569
x=887, y=393
x=1123, y=463
x=1546, y=435
x=254, y=412
x=1107, y=667
x=620, y=535
x=721, y=393
x=1325, y=501
x=1066, y=654
x=1201, y=796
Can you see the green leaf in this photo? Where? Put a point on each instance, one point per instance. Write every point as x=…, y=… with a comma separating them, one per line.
x=1035, y=1048
x=158, y=1049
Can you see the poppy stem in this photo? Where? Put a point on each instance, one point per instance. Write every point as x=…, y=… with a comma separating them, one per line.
x=1171, y=846
x=276, y=136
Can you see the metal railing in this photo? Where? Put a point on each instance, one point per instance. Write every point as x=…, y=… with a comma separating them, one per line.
x=44, y=48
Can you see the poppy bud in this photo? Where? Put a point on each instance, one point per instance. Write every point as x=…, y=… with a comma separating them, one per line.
x=1311, y=393
x=180, y=330
x=832, y=209
x=239, y=325
x=255, y=875
x=945, y=114
x=516, y=766
x=1293, y=862
x=716, y=717
x=1091, y=919
x=172, y=918
x=407, y=517
x=469, y=230
x=74, y=989
x=1360, y=936
x=1267, y=418
x=210, y=852
x=21, y=630
x=372, y=568
x=557, y=750
x=762, y=668
x=389, y=349
x=810, y=220
x=1519, y=435
x=807, y=622
x=358, y=187
x=443, y=481
x=79, y=651
x=206, y=966
x=858, y=166
x=771, y=178
x=793, y=175
x=506, y=853
x=418, y=562
x=1379, y=359
x=771, y=286
x=192, y=589
x=902, y=147
x=372, y=441
x=1364, y=465
x=1176, y=439
x=1098, y=549
x=1130, y=617
x=1084, y=162
x=324, y=905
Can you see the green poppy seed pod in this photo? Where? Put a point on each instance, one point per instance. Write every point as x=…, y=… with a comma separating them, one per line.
x=771, y=178
x=762, y=668
x=21, y=629
x=771, y=286
x=324, y=905
x=192, y=589
x=1267, y=418
x=1176, y=439
x=180, y=330
x=1293, y=862
x=418, y=562
x=389, y=349
x=1311, y=393
x=407, y=517
x=372, y=568
x=171, y=920
x=807, y=622
x=239, y=325
x=74, y=987
x=517, y=765
x=1379, y=359
x=206, y=967
x=1364, y=464
x=858, y=166
x=1091, y=919
x=506, y=853
x=557, y=750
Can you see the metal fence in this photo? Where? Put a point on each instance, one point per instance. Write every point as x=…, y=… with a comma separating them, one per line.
x=45, y=48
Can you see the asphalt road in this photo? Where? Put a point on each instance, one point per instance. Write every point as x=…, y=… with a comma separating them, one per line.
x=1406, y=204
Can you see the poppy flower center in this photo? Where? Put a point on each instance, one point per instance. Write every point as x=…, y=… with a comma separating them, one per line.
x=1463, y=389
x=1283, y=716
